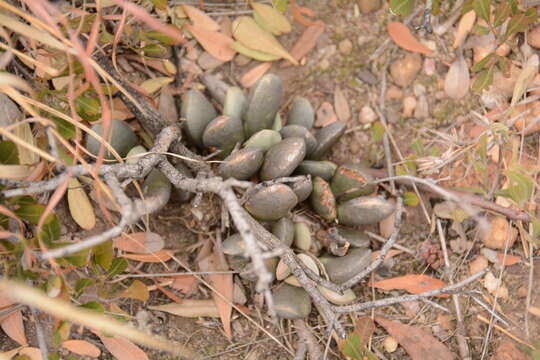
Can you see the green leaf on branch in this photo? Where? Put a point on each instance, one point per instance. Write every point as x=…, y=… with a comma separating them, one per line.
x=482, y=9
x=402, y=7
x=483, y=80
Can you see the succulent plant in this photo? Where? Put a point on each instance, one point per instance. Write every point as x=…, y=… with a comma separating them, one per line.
x=272, y=202
x=122, y=139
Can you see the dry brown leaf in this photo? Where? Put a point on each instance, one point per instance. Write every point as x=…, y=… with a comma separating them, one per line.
x=534, y=310
x=509, y=260
x=184, y=283
x=525, y=78
x=251, y=76
x=139, y=242
x=306, y=42
x=457, y=81
x=341, y=105
x=217, y=44
x=223, y=283
x=464, y=27
x=158, y=256
x=137, y=290
x=80, y=207
x=15, y=172
x=413, y=283
x=122, y=349
x=13, y=323
x=325, y=115
x=200, y=19
x=154, y=84
x=509, y=351
x=246, y=31
x=402, y=36
x=298, y=14
x=390, y=254
x=271, y=19
x=190, y=308
x=167, y=106
x=82, y=347
x=418, y=343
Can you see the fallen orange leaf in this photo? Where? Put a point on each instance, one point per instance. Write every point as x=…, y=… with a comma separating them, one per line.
x=199, y=18
x=390, y=254
x=184, y=283
x=223, y=283
x=217, y=44
x=82, y=347
x=509, y=260
x=139, y=242
x=403, y=37
x=122, y=349
x=418, y=343
x=413, y=283
x=299, y=12
x=306, y=42
x=12, y=324
x=251, y=76
x=158, y=256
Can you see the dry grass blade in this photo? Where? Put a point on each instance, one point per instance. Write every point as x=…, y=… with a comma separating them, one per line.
x=64, y=310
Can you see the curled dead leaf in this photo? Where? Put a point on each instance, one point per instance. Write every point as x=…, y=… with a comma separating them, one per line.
x=402, y=36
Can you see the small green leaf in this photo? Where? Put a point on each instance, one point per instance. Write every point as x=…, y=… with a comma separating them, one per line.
x=32, y=213
x=520, y=188
x=161, y=37
x=66, y=129
x=377, y=131
x=467, y=6
x=402, y=7
x=354, y=349
x=79, y=258
x=8, y=153
x=281, y=5
x=436, y=8
x=103, y=254
x=88, y=108
x=418, y=147
x=481, y=30
x=519, y=23
x=482, y=148
x=483, y=63
x=410, y=199
x=81, y=285
x=483, y=80
x=93, y=305
x=118, y=266
x=160, y=4
x=156, y=50
x=502, y=12
x=482, y=9
x=50, y=232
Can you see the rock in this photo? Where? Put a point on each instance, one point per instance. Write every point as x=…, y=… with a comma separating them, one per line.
x=350, y=181
x=390, y=344
x=264, y=101
x=198, y=112
x=323, y=200
x=301, y=132
x=263, y=139
x=235, y=103
x=122, y=139
x=499, y=235
x=367, y=115
x=323, y=169
x=343, y=268
x=283, y=158
x=345, y=46
x=409, y=105
x=364, y=210
x=327, y=137
x=367, y=77
x=302, y=189
x=223, y=133
x=291, y=302
x=272, y=202
x=283, y=229
x=301, y=113
x=394, y=93
x=528, y=123
x=405, y=70
x=302, y=236
x=242, y=164
x=367, y=6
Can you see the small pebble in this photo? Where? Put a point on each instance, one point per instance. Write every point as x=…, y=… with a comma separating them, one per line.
x=367, y=115
x=394, y=93
x=325, y=115
x=409, y=105
x=405, y=70
x=324, y=64
x=367, y=76
x=390, y=344
x=345, y=46
x=429, y=66
x=362, y=39
x=367, y=6
x=478, y=264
